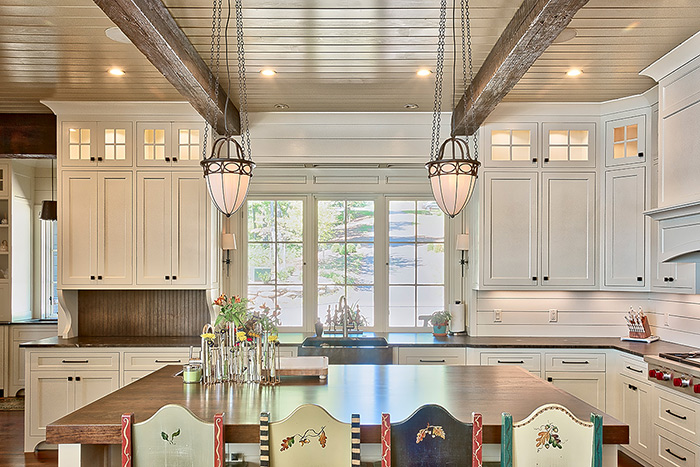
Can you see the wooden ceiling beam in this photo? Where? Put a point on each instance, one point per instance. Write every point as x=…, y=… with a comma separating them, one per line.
x=531, y=30
x=152, y=29
x=27, y=136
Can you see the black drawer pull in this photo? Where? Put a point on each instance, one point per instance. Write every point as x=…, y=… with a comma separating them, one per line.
x=635, y=370
x=432, y=361
x=634, y=388
x=585, y=362
x=74, y=361
x=168, y=361
x=676, y=455
x=682, y=417
x=70, y=378
x=519, y=362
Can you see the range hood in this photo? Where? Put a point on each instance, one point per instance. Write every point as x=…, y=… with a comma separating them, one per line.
x=679, y=232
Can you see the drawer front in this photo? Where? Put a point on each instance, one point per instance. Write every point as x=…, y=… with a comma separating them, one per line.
x=677, y=414
x=434, y=356
x=134, y=375
x=634, y=368
x=74, y=361
x=151, y=361
x=673, y=451
x=575, y=362
x=528, y=361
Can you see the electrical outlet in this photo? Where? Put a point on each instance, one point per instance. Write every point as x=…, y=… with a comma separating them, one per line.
x=666, y=322
x=497, y=316
x=553, y=316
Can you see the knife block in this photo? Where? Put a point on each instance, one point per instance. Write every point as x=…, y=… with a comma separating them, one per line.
x=640, y=332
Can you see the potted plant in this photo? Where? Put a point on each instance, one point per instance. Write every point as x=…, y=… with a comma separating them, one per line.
x=439, y=320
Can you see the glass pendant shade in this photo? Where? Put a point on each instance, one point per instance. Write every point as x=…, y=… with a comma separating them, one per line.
x=453, y=180
x=228, y=178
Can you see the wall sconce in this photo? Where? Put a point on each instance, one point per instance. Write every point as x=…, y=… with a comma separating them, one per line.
x=463, y=246
x=228, y=243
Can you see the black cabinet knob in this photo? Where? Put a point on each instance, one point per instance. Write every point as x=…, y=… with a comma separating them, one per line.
x=665, y=279
x=70, y=378
x=534, y=159
x=534, y=278
x=545, y=278
x=671, y=279
x=92, y=159
x=167, y=278
x=77, y=378
x=99, y=159
x=167, y=159
x=550, y=379
x=640, y=279
x=641, y=154
x=174, y=159
x=546, y=159
x=92, y=278
x=99, y=278
x=174, y=278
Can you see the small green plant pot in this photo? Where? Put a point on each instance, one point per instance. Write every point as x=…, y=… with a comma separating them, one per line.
x=440, y=331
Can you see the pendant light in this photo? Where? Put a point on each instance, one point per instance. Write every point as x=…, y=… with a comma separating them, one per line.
x=229, y=168
x=451, y=170
x=49, y=209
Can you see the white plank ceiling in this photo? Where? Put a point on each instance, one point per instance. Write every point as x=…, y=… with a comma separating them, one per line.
x=331, y=55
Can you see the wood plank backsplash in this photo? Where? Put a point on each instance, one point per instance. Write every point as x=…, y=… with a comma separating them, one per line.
x=142, y=312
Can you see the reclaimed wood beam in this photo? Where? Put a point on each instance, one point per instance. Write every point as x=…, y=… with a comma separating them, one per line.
x=531, y=30
x=27, y=136
x=151, y=28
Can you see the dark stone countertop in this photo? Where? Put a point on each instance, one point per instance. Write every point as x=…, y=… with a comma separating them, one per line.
x=30, y=321
x=395, y=339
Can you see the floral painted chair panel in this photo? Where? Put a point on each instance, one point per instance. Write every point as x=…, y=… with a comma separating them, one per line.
x=431, y=436
x=173, y=436
x=309, y=437
x=551, y=436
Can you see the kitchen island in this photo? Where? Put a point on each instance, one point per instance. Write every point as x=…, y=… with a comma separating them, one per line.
x=93, y=432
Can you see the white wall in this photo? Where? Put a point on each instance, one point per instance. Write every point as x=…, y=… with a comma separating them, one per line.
x=22, y=224
x=43, y=173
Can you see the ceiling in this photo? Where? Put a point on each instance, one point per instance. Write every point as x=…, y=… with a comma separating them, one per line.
x=331, y=55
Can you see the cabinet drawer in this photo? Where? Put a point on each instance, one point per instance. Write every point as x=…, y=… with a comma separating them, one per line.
x=528, y=361
x=634, y=368
x=432, y=356
x=134, y=375
x=676, y=414
x=575, y=362
x=74, y=361
x=152, y=361
x=673, y=451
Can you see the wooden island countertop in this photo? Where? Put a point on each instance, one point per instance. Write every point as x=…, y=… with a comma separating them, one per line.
x=365, y=389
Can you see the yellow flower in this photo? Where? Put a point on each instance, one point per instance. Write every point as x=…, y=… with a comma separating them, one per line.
x=272, y=338
x=240, y=335
x=207, y=335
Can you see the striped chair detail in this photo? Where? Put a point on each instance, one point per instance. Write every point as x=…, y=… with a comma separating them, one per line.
x=265, y=439
x=355, y=428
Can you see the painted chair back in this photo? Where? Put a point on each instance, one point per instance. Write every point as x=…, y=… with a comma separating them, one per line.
x=431, y=436
x=173, y=436
x=551, y=436
x=311, y=437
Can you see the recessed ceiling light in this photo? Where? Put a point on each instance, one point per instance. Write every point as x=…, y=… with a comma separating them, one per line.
x=574, y=72
x=410, y=106
x=117, y=35
x=281, y=106
x=566, y=35
x=116, y=72
x=268, y=72
x=424, y=72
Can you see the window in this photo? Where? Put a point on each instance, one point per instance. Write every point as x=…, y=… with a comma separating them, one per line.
x=49, y=270
x=346, y=256
x=275, y=257
x=416, y=261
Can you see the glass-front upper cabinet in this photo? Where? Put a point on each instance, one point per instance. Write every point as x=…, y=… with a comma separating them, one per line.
x=510, y=145
x=91, y=144
x=176, y=144
x=568, y=144
x=625, y=141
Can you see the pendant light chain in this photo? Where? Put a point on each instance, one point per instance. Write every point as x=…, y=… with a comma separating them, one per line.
x=214, y=60
x=437, y=104
x=468, y=49
x=242, y=88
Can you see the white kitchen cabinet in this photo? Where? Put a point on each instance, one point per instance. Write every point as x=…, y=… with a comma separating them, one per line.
x=432, y=356
x=169, y=144
x=20, y=333
x=137, y=364
x=171, y=229
x=587, y=386
x=670, y=277
x=530, y=361
x=635, y=411
x=4, y=361
x=568, y=145
x=96, y=233
x=625, y=141
x=670, y=450
x=511, y=145
x=625, y=194
x=96, y=144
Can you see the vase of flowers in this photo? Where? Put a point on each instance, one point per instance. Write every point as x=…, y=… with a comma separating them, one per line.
x=439, y=320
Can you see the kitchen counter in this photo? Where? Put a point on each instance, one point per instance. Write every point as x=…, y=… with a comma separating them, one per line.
x=394, y=339
x=30, y=321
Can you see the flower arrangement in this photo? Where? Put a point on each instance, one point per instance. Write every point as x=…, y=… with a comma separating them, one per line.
x=232, y=310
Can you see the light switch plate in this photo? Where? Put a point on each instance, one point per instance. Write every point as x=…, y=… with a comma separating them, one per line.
x=666, y=322
x=497, y=315
x=553, y=315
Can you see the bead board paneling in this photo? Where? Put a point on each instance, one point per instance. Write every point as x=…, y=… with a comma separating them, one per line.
x=142, y=312
x=683, y=317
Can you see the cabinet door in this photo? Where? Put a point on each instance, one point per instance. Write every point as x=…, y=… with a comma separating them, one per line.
x=670, y=277
x=153, y=228
x=636, y=412
x=115, y=228
x=624, y=227
x=116, y=144
x=510, y=145
x=78, y=144
x=187, y=140
x=587, y=386
x=92, y=385
x=625, y=141
x=189, y=224
x=77, y=252
x=51, y=397
x=568, y=144
x=568, y=229
x=153, y=144
x=510, y=229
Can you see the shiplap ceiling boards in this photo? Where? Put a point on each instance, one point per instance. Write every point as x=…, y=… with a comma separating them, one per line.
x=331, y=55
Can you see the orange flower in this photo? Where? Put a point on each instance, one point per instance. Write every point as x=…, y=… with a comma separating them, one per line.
x=220, y=301
x=237, y=298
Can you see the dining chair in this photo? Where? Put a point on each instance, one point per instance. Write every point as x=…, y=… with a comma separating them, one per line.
x=551, y=436
x=173, y=436
x=309, y=437
x=431, y=436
